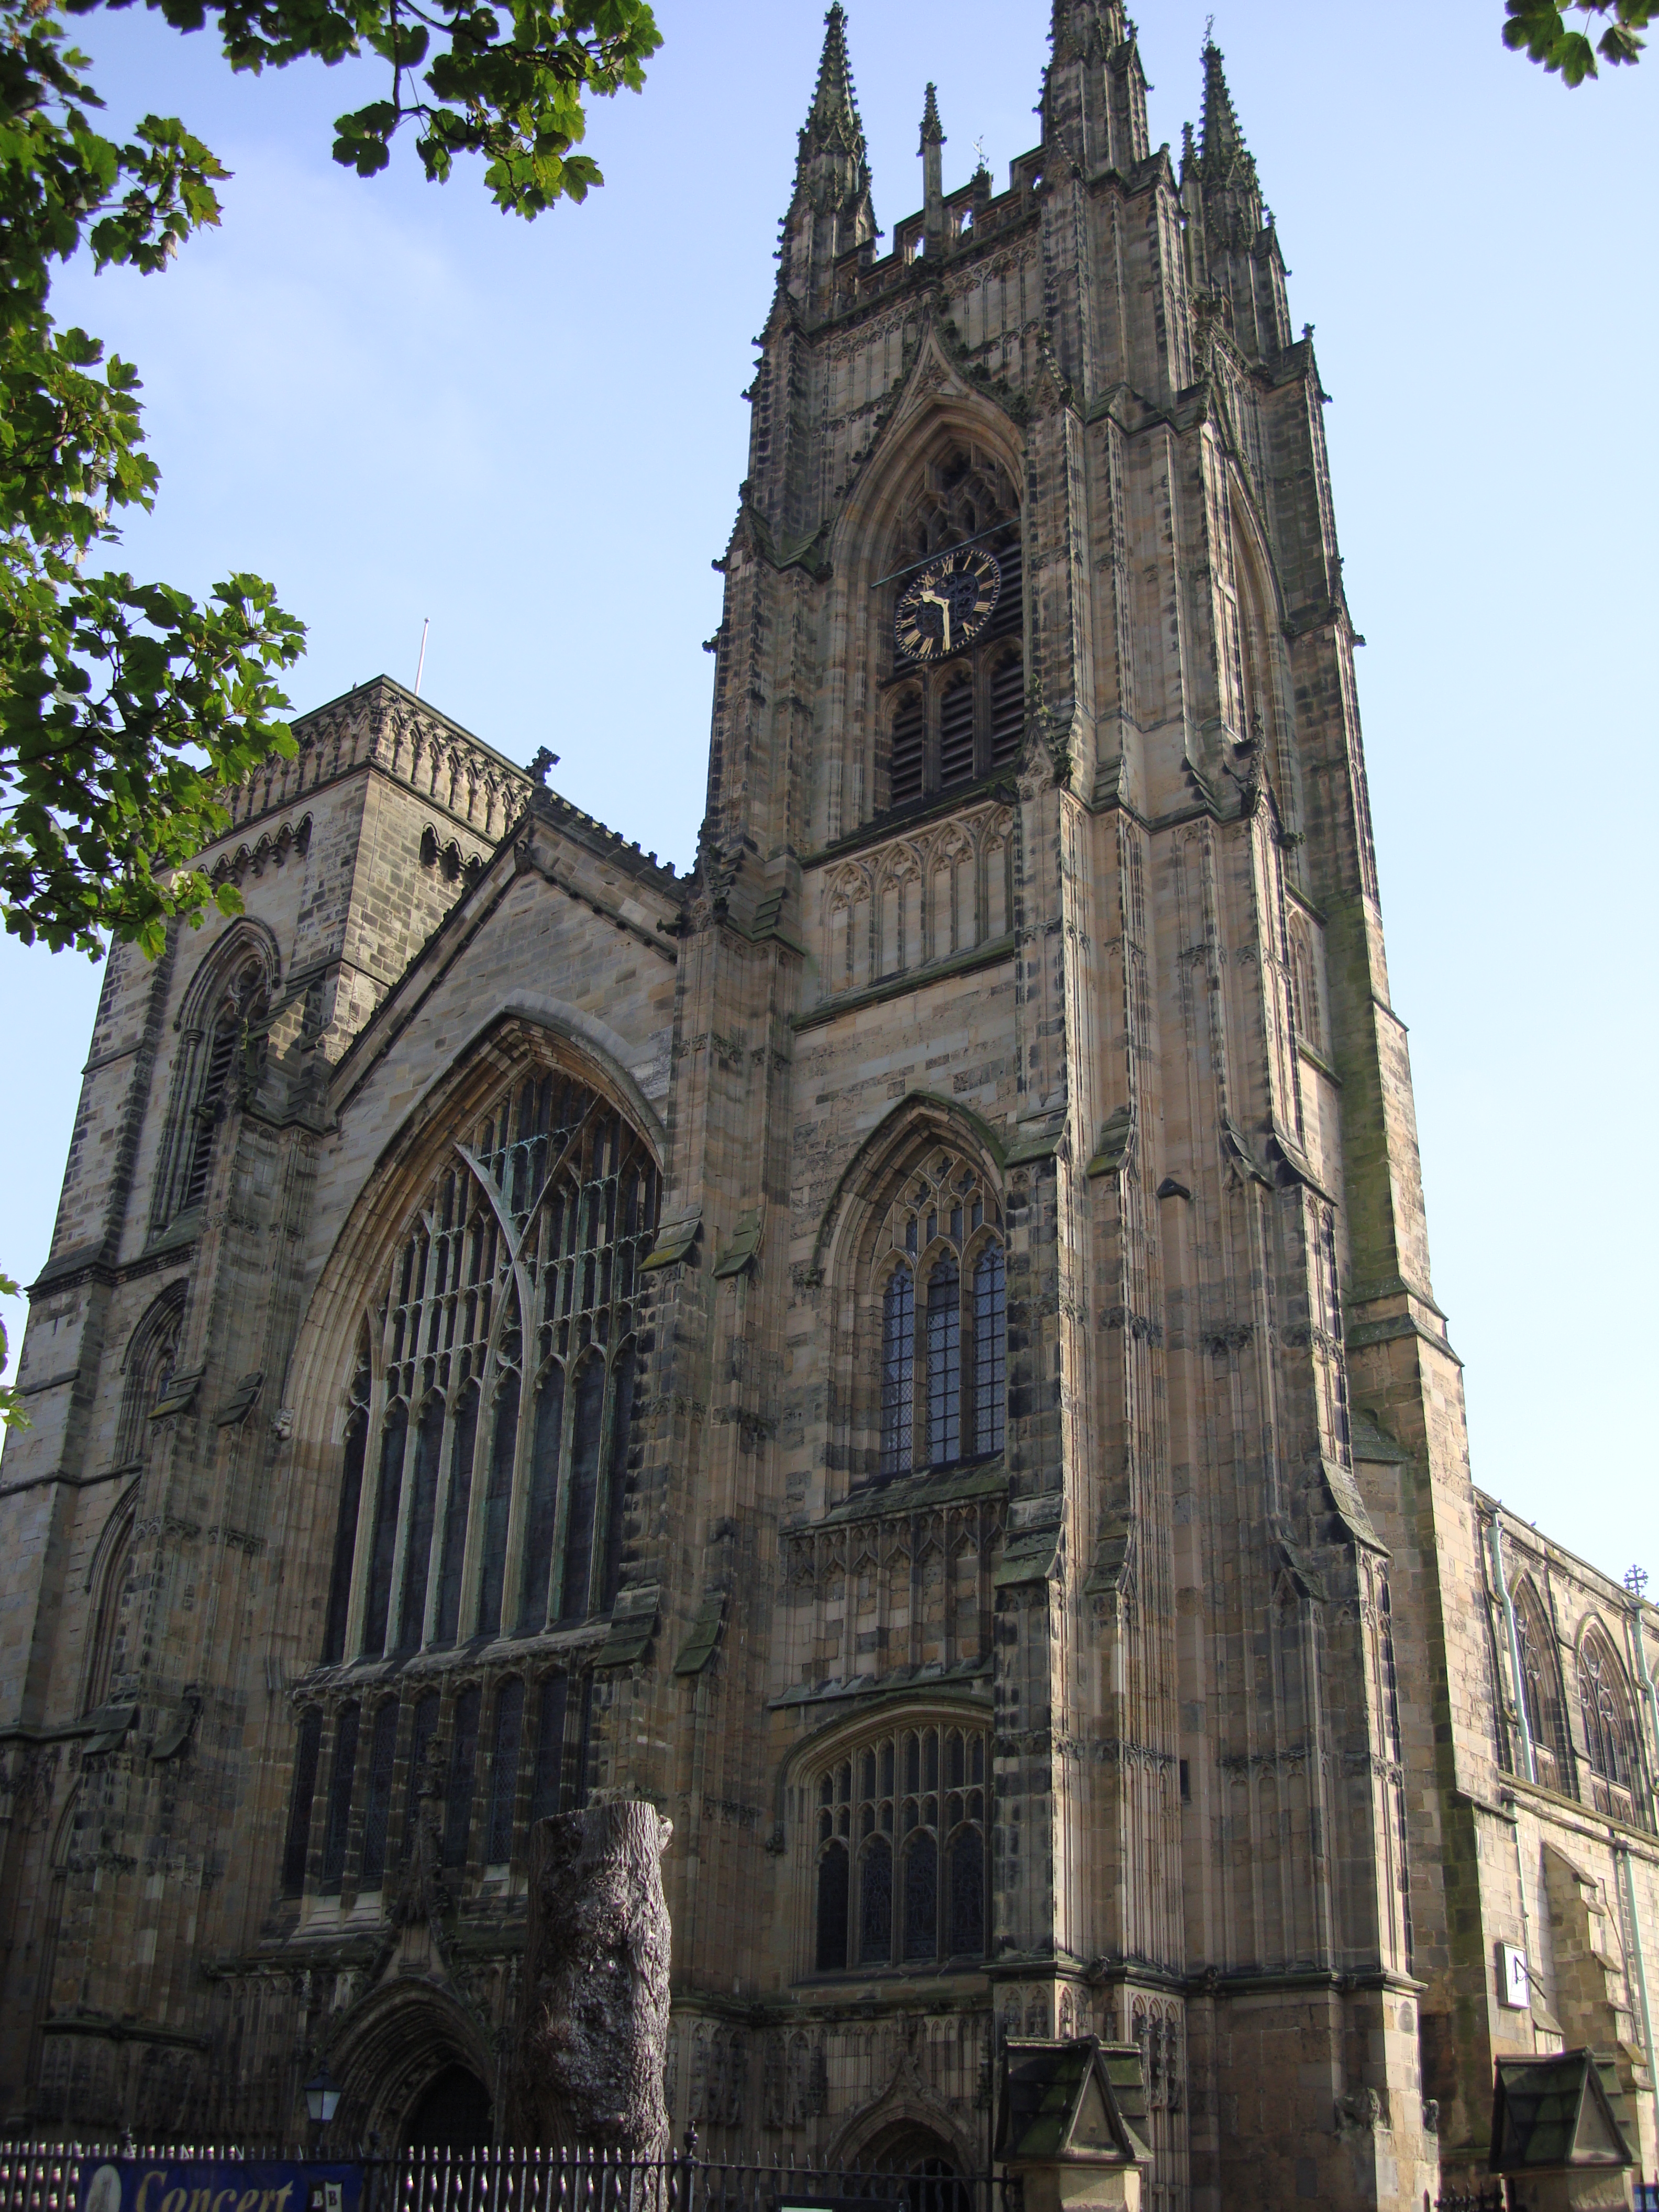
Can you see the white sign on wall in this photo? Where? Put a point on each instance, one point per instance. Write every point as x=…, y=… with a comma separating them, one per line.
x=1514, y=1984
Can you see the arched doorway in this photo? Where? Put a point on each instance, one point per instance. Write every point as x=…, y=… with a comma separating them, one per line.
x=453, y=2112
x=933, y=2171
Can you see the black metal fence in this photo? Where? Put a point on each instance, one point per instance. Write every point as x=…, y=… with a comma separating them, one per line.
x=41, y=2177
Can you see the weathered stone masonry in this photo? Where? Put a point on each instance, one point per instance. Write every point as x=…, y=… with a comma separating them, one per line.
x=911, y=1347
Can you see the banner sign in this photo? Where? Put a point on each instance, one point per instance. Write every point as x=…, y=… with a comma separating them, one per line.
x=163, y=2185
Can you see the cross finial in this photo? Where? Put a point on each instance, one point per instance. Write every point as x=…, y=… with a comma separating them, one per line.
x=1636, y=1581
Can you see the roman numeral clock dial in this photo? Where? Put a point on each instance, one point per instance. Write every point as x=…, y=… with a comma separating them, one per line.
x=948, y=605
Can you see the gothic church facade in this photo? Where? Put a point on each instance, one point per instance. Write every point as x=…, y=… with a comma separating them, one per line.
x=911, y=1347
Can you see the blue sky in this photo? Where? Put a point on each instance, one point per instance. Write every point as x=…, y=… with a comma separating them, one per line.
x=398, y=403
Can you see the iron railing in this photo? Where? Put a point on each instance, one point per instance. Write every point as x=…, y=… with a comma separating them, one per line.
x=41, y=2176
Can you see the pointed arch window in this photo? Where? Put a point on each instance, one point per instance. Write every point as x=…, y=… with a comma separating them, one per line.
x=898, y=1837
x=484, y=1457
x=222, y=1048
x=152, y=1356
x=944, y=1362
x=504, y=1771
x=463, y=1775
x=1611, y=1749
x=376, y=1802
x=550, y=1791
x=959, y=717
x=301, y=1798
x=336, y=1829
x=1541, y=1686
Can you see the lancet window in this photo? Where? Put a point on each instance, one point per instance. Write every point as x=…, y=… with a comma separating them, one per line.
x=1541, y=1687
x=489, y=1414
x=941, y=1295
x=223, y=1049
x=473, y=1764
x=955, y=711
x=899, y=1859
x=1611, y=1750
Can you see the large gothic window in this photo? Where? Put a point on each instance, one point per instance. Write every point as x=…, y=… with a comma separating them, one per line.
x=942, y=1300
x=487, y=1420
x=899, y=1841
x=1541, y=1687
x=1611, y=1750
x=959, y=717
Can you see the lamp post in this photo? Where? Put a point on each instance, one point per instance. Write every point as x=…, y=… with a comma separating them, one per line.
x=322, y=2102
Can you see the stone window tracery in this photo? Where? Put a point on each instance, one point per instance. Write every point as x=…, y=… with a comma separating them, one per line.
x=483, y=1465
x=899, y=1864
x=471, y=1765
x=942, y=1306
x=301, y=1798
x=1610, y=1743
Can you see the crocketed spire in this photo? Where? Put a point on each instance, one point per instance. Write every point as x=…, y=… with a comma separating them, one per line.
x=1231, y=250
x=833, y=125
x=831, y=210
x=933, y=130
x=1221, y=142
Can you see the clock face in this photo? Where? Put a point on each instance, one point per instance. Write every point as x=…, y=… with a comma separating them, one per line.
x=948, y=605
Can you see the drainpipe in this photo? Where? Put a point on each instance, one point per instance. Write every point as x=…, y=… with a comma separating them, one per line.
x=1623, y=1856
x=1514, y=1635
x=1640, y=1642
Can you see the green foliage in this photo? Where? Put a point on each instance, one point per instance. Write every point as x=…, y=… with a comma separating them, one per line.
x=1540, y=26
x=124, y=707
x=126, y=710
x=505, y=79
x=12, y=1414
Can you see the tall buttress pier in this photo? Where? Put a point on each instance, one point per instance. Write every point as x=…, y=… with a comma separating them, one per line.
x=910, y=1346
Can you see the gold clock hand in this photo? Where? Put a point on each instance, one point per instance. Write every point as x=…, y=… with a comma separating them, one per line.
x=932, y=599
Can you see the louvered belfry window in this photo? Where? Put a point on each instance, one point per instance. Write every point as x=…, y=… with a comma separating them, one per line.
x=221, y=1050
x=484, y=1419
x=955, y=721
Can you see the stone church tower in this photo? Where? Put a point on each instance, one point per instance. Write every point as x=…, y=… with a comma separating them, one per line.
x=911, y=1347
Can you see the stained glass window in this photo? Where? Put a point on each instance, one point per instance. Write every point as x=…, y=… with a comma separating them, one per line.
x=504, y=1770
x=921, y=1791
x=376, y=1802
x=898, y=1367
x=463, y=1773
x=544, y=1500
x=944, y=1370
x=921, y=1898
x=422, y=1731
x=306, y=1753
x=832, y=1953
x=339, y=1797
x=547, y=1788
x=876, y=1903
x=549, y=1196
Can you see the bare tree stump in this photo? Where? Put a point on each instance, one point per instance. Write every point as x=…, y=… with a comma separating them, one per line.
x=592, y=2032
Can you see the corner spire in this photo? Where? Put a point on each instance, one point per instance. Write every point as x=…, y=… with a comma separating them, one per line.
x=833, y=124
x=830, y=212
x=932, y=175
x=1221, y=141
x=1232, y=251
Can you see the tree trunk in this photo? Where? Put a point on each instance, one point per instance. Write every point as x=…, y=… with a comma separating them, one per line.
x=594, y=1993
